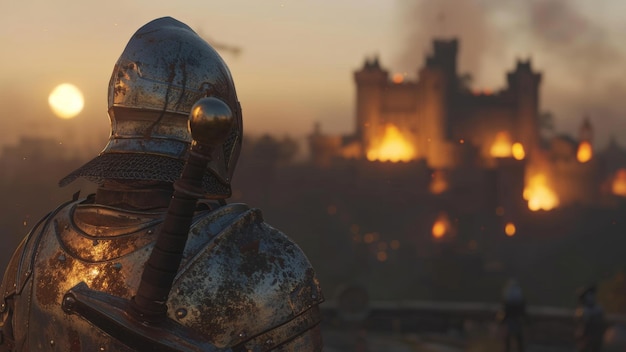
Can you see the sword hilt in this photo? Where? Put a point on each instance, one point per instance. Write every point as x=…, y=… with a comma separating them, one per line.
x=210, y=122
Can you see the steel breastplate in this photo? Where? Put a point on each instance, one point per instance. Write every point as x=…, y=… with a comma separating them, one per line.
x=70, y=248
x=247, y=280
x=239, y=277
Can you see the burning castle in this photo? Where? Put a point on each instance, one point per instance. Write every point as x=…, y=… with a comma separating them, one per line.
x=441, y=189
x=439, y=121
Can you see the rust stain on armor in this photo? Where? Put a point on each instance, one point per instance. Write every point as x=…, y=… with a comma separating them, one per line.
x=110, y=280
x=228, y=304
x=100, y=249
x=93, y=248
x=52, y=273
x=250, y=247
x=74, y=341
x=256, y=267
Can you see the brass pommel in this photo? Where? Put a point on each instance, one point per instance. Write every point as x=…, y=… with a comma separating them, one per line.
x=210, y=122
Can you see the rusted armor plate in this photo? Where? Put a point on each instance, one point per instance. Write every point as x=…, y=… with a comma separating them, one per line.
x=241, y=284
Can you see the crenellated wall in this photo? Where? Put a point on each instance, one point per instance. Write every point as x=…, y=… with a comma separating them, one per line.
x=436, y=114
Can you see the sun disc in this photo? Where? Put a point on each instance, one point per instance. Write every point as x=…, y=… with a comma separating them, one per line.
x=66, y=101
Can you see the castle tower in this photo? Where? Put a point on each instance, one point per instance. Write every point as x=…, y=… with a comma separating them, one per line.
x=585, y=133
x=370, y=83
x=524, y=84
x=444, y=57
x=435, y=93
x=585, y=146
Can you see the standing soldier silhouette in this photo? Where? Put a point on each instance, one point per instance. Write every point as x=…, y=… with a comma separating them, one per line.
x=590, y=321
x=156, y=260
x=513, y=315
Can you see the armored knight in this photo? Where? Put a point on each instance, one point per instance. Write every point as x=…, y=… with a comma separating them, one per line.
x=156, y=260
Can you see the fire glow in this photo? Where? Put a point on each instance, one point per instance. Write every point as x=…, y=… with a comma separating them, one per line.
x=585, y=152
x=441, y=226
x=501, y=147
x=517, y=149
x=394, y=147
x=398, y=78
x=618, y=187
x=539, y=195
x=509, y=229
x=485, y=91
x=438, y=182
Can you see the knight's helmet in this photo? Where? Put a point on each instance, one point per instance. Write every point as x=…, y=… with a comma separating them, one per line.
x=164, y=69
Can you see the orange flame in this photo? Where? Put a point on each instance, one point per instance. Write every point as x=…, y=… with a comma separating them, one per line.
x=619, y=183
x=441, y=226
x=485, y=91
x=501, y=147
x=438, y=183
x=398, y=78
x=509, y=229
x=518, y=151
x=585, y=152
x=394, y=147
x=539, y=195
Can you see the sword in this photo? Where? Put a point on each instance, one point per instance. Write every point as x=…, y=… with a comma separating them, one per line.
x=210, y=122
x=142, y=322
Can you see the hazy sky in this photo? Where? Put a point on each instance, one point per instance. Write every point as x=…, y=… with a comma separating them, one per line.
x=297, y=57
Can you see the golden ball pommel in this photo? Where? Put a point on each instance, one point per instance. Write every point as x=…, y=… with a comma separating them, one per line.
x=210, y=121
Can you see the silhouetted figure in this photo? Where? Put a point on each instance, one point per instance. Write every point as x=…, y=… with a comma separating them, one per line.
x=590, y=321
x=513, y=315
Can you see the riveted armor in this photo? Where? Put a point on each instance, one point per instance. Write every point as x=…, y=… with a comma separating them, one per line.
x=117, y=271
x=241, y=283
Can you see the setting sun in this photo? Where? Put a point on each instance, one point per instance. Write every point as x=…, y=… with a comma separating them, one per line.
x=66, y=101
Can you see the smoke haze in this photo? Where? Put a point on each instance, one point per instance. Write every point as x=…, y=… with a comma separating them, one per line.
x=572, y=44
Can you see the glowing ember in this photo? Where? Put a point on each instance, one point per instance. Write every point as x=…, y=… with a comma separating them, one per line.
x=501, y=147
x=585, y=152
x=394, y=147
x=370, y=237
x=441, y=226
x=381, y=256
x=539, y=195
x=398, y=78
x=510, y=229
x=518, y=151
x=619, y=183
x=438, y=183
x=486, y=91
x=439, y=229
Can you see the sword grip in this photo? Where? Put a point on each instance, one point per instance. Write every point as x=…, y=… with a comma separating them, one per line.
x=210, y=123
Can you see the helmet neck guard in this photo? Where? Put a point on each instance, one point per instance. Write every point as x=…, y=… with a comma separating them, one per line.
x=164, y=69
